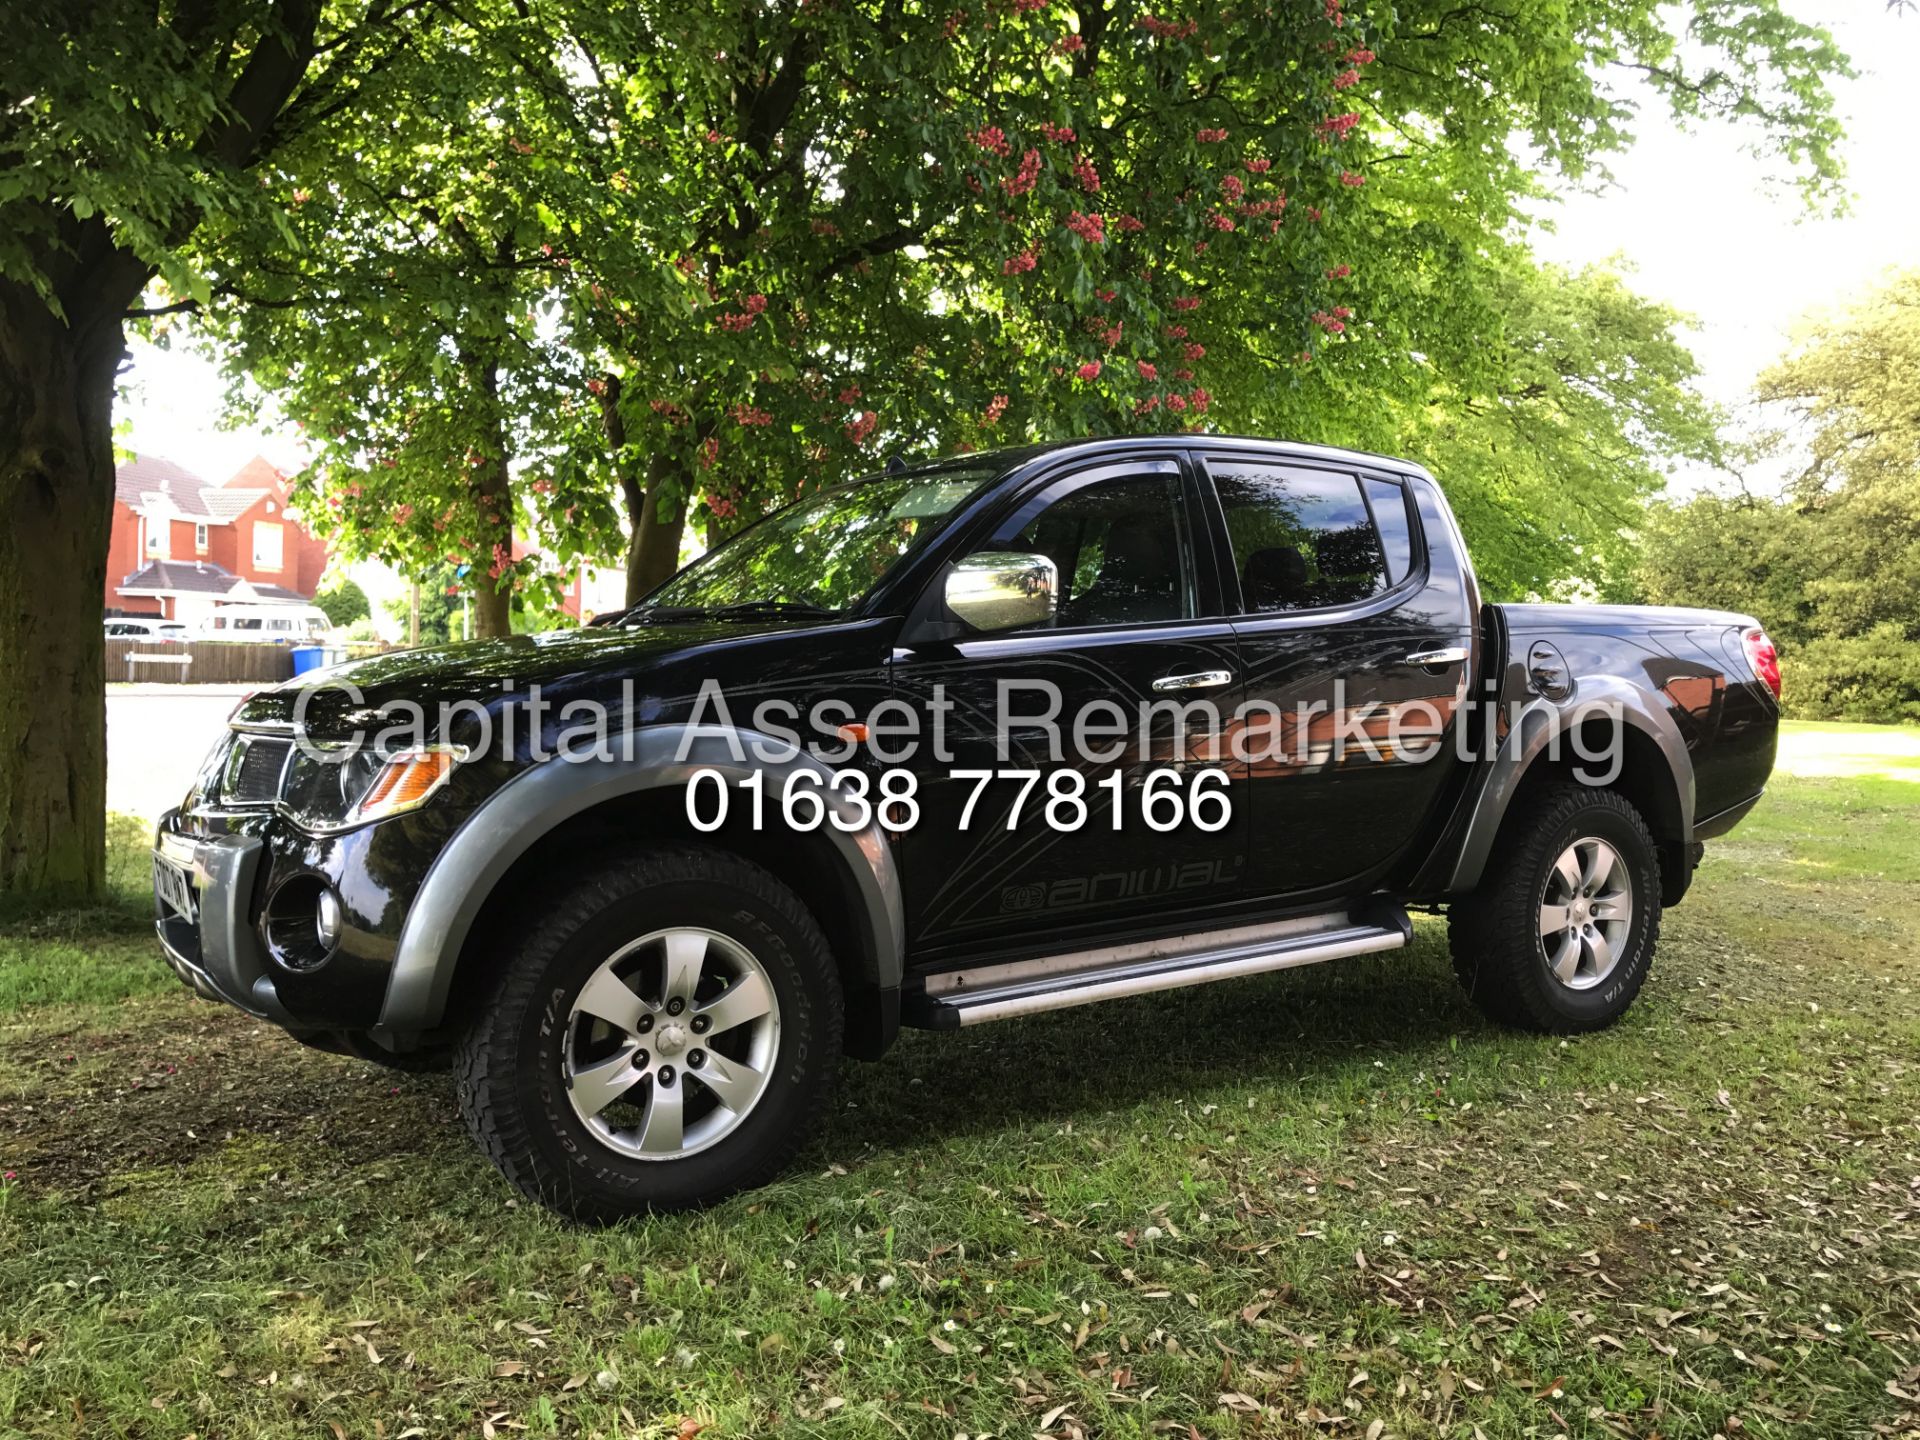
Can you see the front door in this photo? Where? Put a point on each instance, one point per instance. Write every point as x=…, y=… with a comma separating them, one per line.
x=1089, y=714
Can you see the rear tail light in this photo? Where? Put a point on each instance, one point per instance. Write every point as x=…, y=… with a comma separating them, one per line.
x=1764, y=659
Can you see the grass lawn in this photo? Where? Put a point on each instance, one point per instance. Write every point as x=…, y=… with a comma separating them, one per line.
x=1332, y=1201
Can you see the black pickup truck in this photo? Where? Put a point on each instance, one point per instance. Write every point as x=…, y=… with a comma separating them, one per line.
x=955, y=743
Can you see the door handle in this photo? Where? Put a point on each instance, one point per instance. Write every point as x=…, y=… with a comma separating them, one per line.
x=1199, y=680
x=1451, y=655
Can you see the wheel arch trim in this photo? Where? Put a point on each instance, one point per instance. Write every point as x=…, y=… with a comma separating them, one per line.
x=1595, y=696
x=540, y=799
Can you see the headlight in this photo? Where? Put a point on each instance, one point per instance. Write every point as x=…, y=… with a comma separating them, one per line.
x=337, y=789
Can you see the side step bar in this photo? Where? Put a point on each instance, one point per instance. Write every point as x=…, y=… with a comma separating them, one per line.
x=952, y=998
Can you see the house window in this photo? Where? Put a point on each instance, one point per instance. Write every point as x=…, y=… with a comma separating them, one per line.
x=267, y=542
x=155, y=543
x=200, y=536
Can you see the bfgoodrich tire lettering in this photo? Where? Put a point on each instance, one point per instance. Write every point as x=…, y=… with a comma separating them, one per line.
x=1507, y=936
x=514, y=1063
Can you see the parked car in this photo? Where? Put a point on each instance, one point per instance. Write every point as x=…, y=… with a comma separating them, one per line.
x=134, y=627
x=644, y=966
x=268, y=624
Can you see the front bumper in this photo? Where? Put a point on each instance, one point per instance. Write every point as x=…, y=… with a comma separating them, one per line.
x=203, y=892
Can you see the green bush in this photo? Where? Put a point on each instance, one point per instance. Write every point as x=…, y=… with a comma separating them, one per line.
x=1870, y=677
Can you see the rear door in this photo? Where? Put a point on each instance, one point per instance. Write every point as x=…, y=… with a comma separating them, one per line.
x=1355, y=656
x=1139, y=625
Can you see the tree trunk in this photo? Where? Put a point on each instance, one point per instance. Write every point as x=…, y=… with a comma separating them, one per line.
x=56, y=499
x=493, y=496
x=653, y=553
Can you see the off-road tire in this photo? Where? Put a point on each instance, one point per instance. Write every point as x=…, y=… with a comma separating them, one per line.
x=508, y=1069
x=1494, y=933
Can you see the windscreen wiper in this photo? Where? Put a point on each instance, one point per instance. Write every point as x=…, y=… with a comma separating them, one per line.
x=754, y=609
x=739, y=610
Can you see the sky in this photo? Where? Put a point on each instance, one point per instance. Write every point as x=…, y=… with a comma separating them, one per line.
x=1694, y=218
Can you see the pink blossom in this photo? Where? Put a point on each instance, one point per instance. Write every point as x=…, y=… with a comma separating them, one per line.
x=1329, y=323
x=1147, y=371
x=1024, y=180
x=1346, y=80
x=1195, y=352
x=1338, y=127
x=1199, y=400
x=1260, y=165
x=1127, y=224
x=992, y=139
x=709, y=452
x=1232, y=186
x=1087, y=227
x=751, y=415
x=1176, y=402
x=1147, y=406
x=1352, y=180
x=1339, y=272
x=1089, y=371
x=1070, y=44
x=1175, y=332
x=954, y=22
x=1019, y=264
x=995, y=409
x=1105, y=297
x=859, y=430
x=714, y=137
x=542, y=486
x=402, y=513
x=1059, y=134
x=1220, y=220
x=1023, y=7
x=756, y=304
x=850, y=394
x=734, y=322
x=1185, y=304
x=1213, y=135
x=1169, y=29
x=1362, y=56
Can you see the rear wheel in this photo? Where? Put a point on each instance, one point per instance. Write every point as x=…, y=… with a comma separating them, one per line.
x=1561, y=932
x=663, y=1034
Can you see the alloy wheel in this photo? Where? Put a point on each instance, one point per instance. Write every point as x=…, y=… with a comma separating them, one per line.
x=1586, y=913
x=671, y=1043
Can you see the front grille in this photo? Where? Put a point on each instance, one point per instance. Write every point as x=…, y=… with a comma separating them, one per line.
x=255, y=770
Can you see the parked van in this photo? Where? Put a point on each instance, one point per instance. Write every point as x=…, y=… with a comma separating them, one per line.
x=267, y=624
x=134, y=627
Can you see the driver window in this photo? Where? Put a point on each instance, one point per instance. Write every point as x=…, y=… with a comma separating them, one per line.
x=1123, y=552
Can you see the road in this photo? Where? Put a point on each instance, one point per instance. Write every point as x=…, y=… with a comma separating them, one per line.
x=157, y=735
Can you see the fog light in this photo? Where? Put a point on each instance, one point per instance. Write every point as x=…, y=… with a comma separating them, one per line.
x=303, y=921
x=326, y=920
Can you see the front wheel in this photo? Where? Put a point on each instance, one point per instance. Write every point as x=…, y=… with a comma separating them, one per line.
x=662, y=1035
x=1561, y=932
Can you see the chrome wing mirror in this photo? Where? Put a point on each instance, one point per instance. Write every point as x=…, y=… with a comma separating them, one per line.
x=1003, y=590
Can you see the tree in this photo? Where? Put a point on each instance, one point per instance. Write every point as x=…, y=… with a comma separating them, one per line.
x=126, y=131
x=1832, y=566
x=795, y=208
x=343, y=602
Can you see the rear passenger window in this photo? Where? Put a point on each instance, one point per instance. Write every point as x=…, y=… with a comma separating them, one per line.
x=1390, y=519
x=1302, y=539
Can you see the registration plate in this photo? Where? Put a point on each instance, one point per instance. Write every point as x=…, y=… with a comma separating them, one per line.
x=171, y=884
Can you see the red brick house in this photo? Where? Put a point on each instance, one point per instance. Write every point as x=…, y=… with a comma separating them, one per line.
x=181, y=547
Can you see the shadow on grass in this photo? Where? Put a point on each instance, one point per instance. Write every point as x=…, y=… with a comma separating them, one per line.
x=1327, y=1024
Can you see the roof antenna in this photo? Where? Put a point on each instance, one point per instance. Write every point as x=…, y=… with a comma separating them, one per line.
x=896, y=466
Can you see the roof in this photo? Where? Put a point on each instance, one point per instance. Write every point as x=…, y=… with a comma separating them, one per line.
x=199, y=577
x=146, y=479
x=186, y=577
